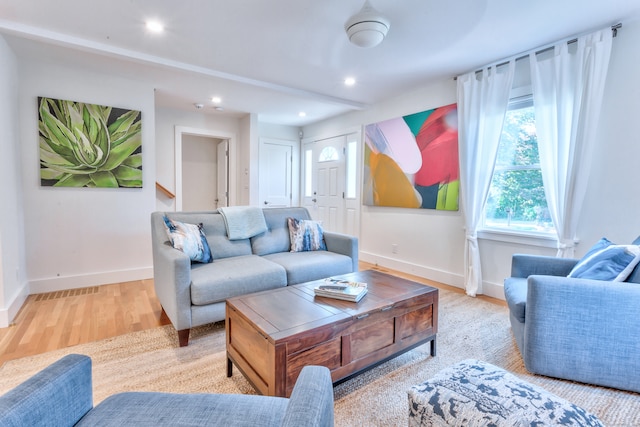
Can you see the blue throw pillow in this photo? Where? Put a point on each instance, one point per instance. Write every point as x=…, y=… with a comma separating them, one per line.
x=607, y=261
x=306, y=235
x=190, y=239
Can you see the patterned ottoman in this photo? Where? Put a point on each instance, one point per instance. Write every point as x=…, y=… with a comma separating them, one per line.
x=475, y=393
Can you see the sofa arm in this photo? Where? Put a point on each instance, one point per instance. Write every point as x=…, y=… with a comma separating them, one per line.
x=343, y=244
x=59, y=395
x=583, y=330
x=171, y=275
x=172, y=283
x=526, y=265
x=311, y=401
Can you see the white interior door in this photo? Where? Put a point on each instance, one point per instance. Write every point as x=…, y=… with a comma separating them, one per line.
x=222, y=188
x=326, y=202
x=275, y=173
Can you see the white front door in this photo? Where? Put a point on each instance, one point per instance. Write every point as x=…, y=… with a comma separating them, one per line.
x=275, y=173
x=222, y=188
x=326, y=199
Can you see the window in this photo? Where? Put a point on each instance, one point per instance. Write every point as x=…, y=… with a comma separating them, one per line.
x=308, y=165
x=328, y=154
x=516, y=200
x=351, y=169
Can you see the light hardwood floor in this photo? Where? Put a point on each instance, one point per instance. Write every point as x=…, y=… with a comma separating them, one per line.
x=61, y=319
x=57, y=320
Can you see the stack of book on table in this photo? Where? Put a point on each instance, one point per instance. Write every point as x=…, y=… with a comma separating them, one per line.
x=342, y=289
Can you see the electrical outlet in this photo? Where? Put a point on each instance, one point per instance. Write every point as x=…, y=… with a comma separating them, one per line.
x=394, y=248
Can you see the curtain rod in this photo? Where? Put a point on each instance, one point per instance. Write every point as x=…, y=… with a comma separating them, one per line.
x=614, y=30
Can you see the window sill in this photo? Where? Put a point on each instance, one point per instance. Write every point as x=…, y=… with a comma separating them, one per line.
x=519, y=237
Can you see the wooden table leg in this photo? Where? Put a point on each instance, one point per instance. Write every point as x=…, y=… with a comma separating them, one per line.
x=229, y=367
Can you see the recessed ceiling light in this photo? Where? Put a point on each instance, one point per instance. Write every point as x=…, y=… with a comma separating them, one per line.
x=302, y=114
x=349, y=81
x=216, y=100
x=154, y=26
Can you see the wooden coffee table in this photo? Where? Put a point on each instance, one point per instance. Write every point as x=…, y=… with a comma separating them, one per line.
x=272, y=335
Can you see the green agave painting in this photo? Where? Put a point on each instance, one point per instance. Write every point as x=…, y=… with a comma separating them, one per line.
x=87, y=145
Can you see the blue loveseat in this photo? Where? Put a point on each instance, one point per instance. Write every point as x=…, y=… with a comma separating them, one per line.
x=577, y=329
x=61, y=395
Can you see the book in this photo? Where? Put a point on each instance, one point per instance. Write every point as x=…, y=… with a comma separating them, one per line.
x=342, y=289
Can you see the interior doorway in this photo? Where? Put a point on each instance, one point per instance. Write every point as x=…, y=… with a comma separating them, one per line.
x=202, y=181
x=205, y=170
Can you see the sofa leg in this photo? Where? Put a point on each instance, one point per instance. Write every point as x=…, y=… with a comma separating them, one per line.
x=183, y=337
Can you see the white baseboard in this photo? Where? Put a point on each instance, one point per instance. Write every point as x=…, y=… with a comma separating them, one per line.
x=410, y=268
x=62, y=283
x=9, y=313
x=452, y=279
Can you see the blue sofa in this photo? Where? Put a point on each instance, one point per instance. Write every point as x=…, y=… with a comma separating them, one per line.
x=194, y=294
x=576, y=329
x=61, y=395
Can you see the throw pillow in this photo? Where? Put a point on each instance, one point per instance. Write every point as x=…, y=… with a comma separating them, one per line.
x=190, y=239
x=607, y=261
x=306, y=235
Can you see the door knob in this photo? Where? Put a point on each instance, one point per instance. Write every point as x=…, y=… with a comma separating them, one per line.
x=314, y=200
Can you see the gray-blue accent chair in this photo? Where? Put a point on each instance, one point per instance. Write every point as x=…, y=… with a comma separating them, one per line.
x=61, y=395
x=576, y=329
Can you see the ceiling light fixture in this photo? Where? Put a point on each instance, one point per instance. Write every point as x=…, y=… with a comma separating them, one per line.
x=216, y=100
x=302, y=114
x=154, y=26
x=368, y=27
x=349, y=81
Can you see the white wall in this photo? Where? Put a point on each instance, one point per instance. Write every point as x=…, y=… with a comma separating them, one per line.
x=431, y=243
x=83, y=237
x=248, y=191
x=13, y=285
x=428, y=241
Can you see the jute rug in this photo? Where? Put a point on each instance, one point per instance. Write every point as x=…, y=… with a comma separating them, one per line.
x=468, y=328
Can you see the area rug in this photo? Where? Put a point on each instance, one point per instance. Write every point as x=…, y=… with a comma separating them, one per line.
x=468, y=328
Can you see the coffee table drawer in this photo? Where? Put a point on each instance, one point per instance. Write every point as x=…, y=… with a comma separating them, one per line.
x=370, y=339
x=326, y=354
x=419, y=321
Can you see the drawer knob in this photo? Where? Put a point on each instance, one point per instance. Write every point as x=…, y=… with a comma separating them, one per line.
x=362, y=316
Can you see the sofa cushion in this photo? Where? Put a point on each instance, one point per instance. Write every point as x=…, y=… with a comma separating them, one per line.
x=276, y=238
x=306, y=266
x=230, y=277
x=515, y=293
x=188, y=238
x=607, y=261
x=165, y=409
x=305, y=235
x=216, y=232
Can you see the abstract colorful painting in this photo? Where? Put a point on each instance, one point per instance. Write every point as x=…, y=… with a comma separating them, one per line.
x=88, y=145
x=412, y=161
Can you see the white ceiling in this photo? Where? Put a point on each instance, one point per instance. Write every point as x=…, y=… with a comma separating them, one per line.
x=278, y=57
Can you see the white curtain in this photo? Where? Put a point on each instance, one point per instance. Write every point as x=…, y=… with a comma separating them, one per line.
x=567, y=95
x=482, y=103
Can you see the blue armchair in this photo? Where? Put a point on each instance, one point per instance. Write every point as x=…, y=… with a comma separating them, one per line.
x=61, y=395
x=576, y=329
